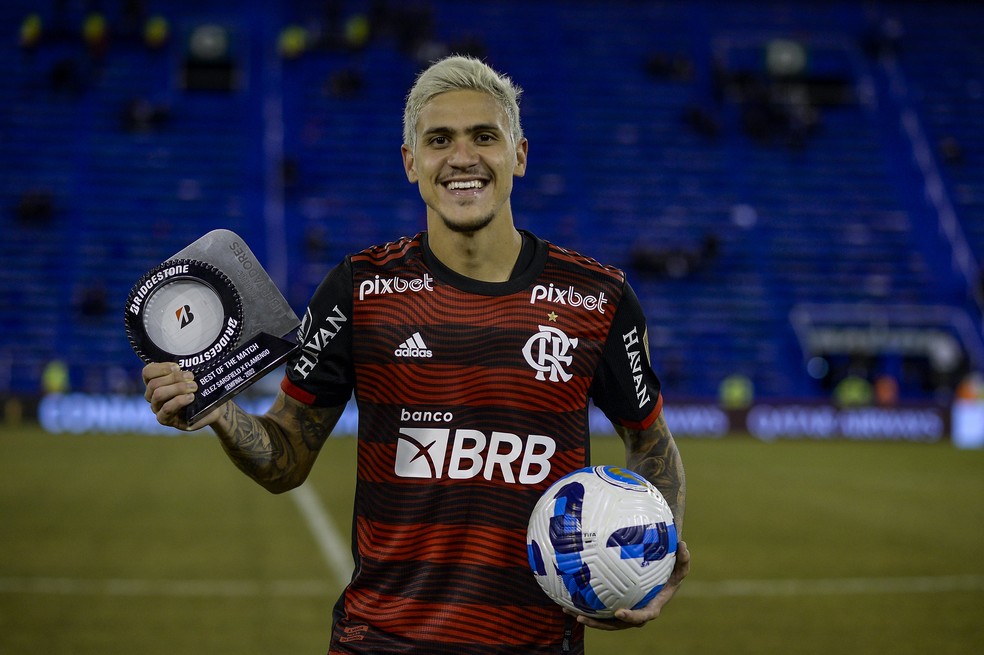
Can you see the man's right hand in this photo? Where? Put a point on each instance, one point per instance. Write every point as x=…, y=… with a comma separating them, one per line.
x=169, y=390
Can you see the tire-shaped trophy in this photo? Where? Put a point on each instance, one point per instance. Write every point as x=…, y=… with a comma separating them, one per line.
x=212, y=309
x=183, y=311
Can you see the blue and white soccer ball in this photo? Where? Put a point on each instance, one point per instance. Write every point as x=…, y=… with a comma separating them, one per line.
x=600, y=539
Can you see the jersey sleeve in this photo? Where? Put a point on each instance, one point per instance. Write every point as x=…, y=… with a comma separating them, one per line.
x=625, y=387
x=321, y=372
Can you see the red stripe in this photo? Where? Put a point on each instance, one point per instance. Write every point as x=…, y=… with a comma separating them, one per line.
x=442, y=544
x=468, y=386
x=649, y=420
x=566, y=255
x=445, y=307
x=296, y=392
x=387, y=253
x=445, y=623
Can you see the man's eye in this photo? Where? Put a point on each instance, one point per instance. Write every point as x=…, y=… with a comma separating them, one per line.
x=439, y=141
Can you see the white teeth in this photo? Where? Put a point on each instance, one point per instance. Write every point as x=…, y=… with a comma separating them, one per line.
x=473, y=184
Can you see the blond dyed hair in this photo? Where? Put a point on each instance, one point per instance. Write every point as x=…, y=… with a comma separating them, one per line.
x=460, y=73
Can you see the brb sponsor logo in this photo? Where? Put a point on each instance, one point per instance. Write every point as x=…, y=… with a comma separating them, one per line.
x=459, y=454
x=569, y=297
x=382, y=285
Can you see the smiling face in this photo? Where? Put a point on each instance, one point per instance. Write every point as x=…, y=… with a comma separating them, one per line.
x=464, y=161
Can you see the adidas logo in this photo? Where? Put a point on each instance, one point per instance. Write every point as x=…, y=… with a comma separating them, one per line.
x=413, y=347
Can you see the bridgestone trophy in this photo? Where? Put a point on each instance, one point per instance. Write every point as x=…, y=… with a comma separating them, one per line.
x=213, y=310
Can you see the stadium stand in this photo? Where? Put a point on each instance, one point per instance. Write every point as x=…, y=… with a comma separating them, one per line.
x=741, y=160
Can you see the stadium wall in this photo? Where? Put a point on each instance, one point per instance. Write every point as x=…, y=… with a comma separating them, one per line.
x=962, y=423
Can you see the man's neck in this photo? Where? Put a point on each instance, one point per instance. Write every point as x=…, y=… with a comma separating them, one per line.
x=488, y=255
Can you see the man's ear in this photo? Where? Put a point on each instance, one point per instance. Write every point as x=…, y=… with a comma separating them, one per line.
x=409, y=164
x=522, y=150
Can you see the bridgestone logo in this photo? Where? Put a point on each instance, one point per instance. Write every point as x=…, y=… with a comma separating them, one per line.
x=151, y=283
x=413, y=347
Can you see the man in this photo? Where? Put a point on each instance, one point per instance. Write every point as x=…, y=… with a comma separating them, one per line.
x=472, y=349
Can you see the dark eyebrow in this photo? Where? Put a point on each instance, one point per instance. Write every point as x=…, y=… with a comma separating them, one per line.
x=484, y=127
x=471, y=129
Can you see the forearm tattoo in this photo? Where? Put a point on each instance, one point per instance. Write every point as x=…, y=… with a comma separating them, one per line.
x=259, y=448
x=276, y=449
x=653, y=454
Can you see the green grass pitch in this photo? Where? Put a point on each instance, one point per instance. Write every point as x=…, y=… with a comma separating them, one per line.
x=158, y=545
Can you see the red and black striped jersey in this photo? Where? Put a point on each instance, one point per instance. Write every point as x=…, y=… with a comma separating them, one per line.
x=473, y=398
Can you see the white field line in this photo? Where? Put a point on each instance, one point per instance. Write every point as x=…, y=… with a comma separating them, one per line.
x=164, y=588
x=834, y=586
x=315, y=588
x=333, y=547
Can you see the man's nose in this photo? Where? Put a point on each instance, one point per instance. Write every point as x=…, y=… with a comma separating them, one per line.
x=463, y=154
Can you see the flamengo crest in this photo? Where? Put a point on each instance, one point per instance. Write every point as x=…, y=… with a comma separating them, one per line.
x=547, y=352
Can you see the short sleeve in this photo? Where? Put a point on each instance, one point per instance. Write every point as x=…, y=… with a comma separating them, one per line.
x=322, y=372
x=625, y=387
